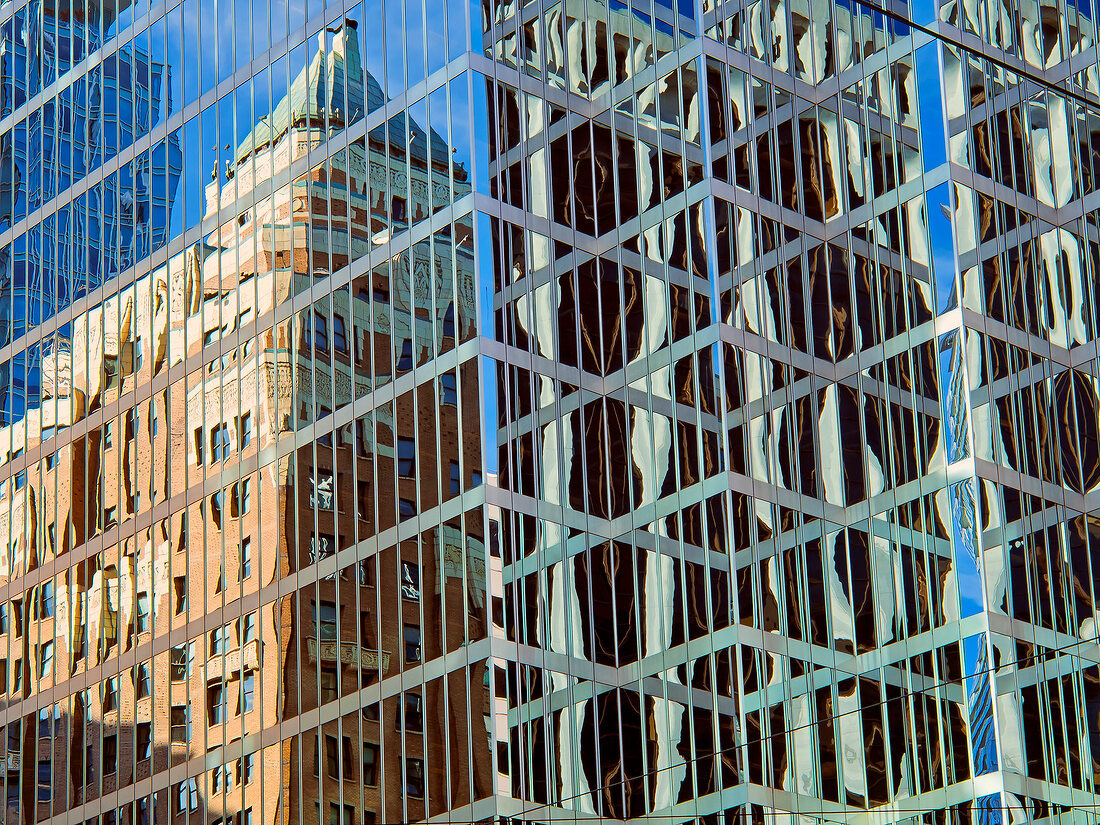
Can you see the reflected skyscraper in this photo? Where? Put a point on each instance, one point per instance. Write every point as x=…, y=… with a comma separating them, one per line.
x=82, y=238
x=473, y=412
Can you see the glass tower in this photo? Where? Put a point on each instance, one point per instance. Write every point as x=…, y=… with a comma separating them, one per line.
x=497, y=412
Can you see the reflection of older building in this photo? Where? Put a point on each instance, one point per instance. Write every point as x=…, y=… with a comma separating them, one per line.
x=229, y=546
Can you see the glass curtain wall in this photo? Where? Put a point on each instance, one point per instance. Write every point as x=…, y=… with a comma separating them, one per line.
x=471, y=411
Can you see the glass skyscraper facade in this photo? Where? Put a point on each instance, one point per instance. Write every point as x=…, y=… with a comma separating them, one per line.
x=475, y=411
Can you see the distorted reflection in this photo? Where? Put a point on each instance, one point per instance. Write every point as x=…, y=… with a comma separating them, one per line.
x=186, y=497
x=680, y=420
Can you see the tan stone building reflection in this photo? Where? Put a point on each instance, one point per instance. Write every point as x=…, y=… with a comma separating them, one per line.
x=289, y=638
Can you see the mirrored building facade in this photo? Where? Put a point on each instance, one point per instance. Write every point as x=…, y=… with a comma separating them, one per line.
x=512, y=412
